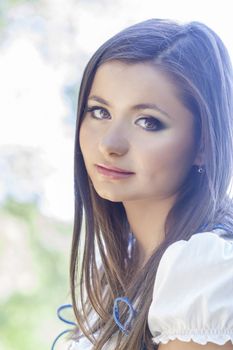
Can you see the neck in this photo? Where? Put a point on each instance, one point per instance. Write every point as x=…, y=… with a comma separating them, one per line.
x=147, y=221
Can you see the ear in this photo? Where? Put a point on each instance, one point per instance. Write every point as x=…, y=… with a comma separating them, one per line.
x=199, y=159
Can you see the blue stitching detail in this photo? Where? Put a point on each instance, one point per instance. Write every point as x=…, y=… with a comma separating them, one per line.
x=123, y=327
x=62, y=307
x=219, y=226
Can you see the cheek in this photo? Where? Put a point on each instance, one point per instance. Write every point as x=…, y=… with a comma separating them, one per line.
x=178, y=160
x=172, y=154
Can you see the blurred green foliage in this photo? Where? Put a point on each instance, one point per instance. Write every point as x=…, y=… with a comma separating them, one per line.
x=34, y=249
x=28, y=318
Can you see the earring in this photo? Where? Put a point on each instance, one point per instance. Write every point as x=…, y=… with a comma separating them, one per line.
x=200, y=170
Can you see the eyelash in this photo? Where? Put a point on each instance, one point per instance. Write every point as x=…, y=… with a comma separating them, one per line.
x=150, y=118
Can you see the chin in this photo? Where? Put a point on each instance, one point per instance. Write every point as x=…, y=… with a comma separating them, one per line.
x=110, y=197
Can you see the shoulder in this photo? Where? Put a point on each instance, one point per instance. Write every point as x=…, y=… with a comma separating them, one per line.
x=199, y=242
x=204, y=257
x=192, y=297
x=209, y=249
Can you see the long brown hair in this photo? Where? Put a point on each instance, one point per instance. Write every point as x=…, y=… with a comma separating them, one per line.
x=197, y=61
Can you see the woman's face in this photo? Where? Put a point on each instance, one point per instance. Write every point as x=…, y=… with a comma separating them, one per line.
x=136, y=122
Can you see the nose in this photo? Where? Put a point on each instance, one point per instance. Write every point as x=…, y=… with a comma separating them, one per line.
x=114, y=142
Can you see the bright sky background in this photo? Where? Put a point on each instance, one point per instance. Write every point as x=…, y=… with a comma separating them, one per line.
x=36, y=64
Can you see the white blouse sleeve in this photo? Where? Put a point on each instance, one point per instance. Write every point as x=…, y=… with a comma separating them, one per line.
x=193, y=292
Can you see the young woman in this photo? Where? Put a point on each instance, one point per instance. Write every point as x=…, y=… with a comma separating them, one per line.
x=153, y=168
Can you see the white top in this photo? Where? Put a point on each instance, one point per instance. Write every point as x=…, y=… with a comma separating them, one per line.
x=193, y=292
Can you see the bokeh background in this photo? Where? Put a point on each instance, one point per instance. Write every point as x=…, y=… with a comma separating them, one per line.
x=44, y=47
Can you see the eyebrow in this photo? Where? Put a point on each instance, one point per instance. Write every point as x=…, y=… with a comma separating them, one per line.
x=135, y=108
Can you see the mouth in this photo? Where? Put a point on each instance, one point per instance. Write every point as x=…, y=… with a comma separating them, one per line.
x=114, y=169
x=112, y=172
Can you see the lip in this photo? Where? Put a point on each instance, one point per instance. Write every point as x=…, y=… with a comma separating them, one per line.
x=113, y=174
x=114, y=169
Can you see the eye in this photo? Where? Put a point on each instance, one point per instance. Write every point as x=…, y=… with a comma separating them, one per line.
x=150, y=123
x=98, y=112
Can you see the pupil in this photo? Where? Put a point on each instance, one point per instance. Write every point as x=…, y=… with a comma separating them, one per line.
x=102, y=112
x=150, y=123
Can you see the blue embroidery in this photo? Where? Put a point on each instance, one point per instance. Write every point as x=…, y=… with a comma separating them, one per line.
x=220, y=226
x=123, y=327
x=126, y=326
x=61, y=308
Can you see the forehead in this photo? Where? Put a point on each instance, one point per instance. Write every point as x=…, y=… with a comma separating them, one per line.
x=139, y=80
x=131, y=73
